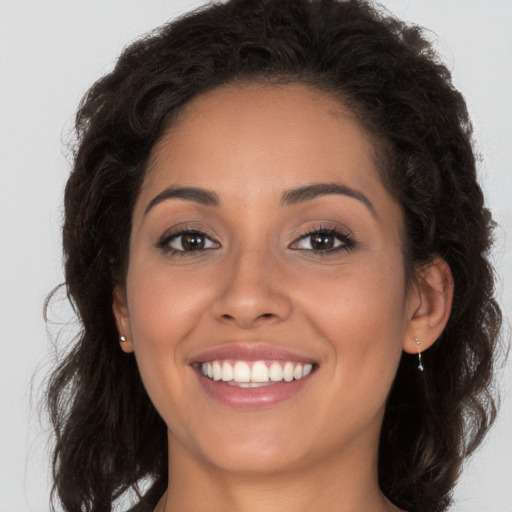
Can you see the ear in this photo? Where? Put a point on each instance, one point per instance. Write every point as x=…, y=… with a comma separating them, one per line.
x=430, y=301
x=122, y=317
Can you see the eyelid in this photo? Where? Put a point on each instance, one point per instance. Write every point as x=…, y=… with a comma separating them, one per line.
x=344, y=236
x=173, y=233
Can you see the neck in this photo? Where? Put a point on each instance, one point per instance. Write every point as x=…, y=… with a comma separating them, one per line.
x=335, y=484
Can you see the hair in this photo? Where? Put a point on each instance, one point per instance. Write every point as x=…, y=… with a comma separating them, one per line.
x=108, y=435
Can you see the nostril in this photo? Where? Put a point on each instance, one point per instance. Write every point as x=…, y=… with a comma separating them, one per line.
x=246, y=322
x=263, y=315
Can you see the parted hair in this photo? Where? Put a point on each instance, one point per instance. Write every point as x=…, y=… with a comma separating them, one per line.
x=108, y=436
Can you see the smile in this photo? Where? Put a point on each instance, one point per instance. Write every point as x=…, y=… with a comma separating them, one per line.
x=254, y=373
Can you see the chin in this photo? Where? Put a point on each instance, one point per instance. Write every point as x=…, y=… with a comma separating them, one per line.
x=250, y=449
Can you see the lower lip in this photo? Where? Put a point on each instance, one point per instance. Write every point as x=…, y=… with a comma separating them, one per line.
x=252, y=398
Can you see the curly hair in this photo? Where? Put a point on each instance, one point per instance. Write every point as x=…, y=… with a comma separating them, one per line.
x=109, y=437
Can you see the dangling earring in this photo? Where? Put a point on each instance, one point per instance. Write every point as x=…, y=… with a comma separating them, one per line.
x=420, y=365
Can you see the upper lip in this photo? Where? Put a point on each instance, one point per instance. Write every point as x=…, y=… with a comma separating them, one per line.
x=249, y=352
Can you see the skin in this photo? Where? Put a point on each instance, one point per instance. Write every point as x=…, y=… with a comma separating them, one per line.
x=259, y=280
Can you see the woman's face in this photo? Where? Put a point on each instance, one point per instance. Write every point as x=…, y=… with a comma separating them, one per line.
x=264, y=245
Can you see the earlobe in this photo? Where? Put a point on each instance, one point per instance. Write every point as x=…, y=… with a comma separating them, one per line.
x=432, y=305
x=122, y=317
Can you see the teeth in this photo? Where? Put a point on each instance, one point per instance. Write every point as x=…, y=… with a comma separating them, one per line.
x=259, y=372
x=246, y=384
x=227, y=372
x=276, y=372
x=288, y=372
x=241, y=372
x=216, y=370
x=256, y=375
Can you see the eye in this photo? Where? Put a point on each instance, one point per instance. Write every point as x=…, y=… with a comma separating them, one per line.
x=323, y=240
x=187, y=241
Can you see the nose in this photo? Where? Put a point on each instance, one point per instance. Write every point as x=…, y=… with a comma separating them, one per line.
x=252, y=293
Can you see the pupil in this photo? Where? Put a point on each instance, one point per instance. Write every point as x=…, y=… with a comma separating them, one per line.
x=322, y=242
x=192, y=241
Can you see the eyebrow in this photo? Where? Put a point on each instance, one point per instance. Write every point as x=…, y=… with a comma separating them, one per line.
x=309, y=192
x=290, y=197
x=199, y=195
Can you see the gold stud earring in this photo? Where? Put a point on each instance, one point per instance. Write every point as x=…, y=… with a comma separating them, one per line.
x=420, y=365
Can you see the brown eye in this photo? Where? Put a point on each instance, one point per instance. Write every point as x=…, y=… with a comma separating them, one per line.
x=322, y=241
x=192, y=241
x=187, y=241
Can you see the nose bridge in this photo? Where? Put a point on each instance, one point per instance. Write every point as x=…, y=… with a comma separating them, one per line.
x=252, y=290
x=253, y=272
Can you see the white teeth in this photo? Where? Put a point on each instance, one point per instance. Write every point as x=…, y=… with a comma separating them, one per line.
x=259, y=372
x=241, y=372
x=217, y=370
x=276, y=372
x=227, y=372
x=247, y=384
x=258, y=375
x=288, y=372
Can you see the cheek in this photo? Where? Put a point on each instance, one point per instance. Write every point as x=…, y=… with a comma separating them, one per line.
x=357, y=299
x=163, y=309
x=361, y=316
x=163, y=304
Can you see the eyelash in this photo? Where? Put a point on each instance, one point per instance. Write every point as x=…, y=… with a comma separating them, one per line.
x=347, y=242
x=166, y=239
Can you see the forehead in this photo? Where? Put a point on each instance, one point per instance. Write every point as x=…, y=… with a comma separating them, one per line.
x=261, y=138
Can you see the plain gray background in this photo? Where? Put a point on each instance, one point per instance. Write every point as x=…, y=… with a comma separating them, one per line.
x=50, y=53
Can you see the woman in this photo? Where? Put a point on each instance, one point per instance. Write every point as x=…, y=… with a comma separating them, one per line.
x=274, y=213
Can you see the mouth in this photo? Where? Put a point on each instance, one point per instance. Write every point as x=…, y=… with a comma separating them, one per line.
x=252, y=376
